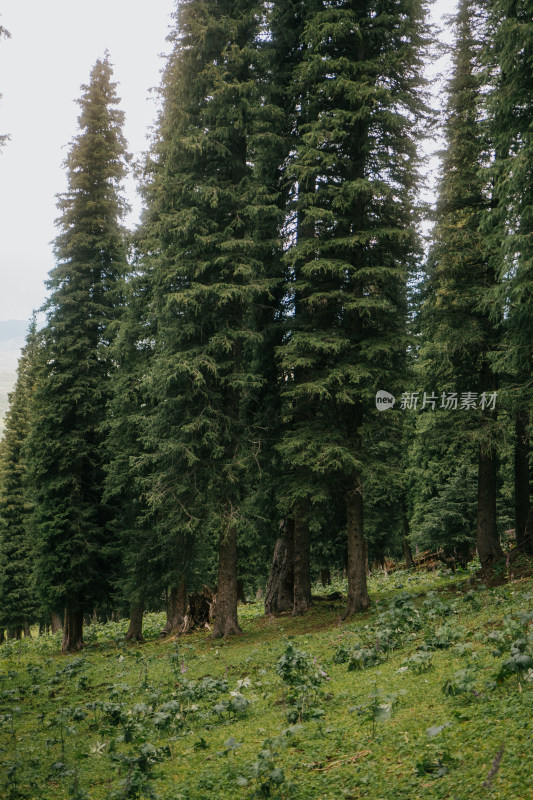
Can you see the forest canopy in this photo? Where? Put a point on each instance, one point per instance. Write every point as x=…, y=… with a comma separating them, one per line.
x=275, y=376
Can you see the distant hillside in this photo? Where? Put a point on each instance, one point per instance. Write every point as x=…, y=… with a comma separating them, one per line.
x=12, y=337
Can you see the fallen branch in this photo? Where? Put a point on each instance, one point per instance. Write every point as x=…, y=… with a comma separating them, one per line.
x=494, y=769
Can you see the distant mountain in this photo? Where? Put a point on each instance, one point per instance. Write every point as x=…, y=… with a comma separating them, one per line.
x=12, y=338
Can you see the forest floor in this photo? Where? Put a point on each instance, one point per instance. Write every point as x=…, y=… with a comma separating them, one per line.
x=427, y=695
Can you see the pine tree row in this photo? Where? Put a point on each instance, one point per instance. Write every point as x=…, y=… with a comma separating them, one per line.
x=209, y=399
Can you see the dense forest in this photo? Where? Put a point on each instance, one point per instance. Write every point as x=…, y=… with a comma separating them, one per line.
x=279, y=373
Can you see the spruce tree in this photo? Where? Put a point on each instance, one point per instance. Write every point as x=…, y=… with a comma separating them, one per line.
x=510, y=224
x=357, y=90
x=132, y=525
x=205, y=223
x=66, y=452
x=459, y=326
x=18, y=607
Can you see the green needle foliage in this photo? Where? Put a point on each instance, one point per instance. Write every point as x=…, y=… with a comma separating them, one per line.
x=65, y=445
x=206, y=223
x=510, y=225
x=18, y=605
x=142, y=576
x=357, y=91
x=458, y=327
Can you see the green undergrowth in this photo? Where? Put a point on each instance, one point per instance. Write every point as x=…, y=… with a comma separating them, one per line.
x=426, y=695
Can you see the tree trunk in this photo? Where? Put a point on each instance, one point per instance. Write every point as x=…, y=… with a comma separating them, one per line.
x=199, y=610
x=407, y=552
x=2, y=636
x=226, y=619
x=176, y=608
x=135, y=628
x=529, y=530
x=325, y=577
x=302, y=559
x=55, y=623
x=241, y=597
x=521, y=480
x=27, y=630
x=72, y=630
x=358, y=599
x=279, y=595
x=14, y=633
x=487, y=541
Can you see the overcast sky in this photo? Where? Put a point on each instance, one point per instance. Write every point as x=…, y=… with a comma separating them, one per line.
x=53, y=47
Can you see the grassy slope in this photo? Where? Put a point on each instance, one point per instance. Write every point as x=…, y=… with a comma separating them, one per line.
x=132, y=721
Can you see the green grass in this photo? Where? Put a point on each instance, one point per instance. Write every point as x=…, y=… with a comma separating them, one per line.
x=159, y=719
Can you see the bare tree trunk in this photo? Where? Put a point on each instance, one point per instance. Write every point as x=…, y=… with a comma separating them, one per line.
x=279, y=594
x=487, y=541
x=325, y=577
x=407, y=552
x=241, y=597
x=521, y=480
x=72, y=630
x=529, y=530
x=358, y=599
x=302, y=559
x=14, y=633
x=55, y=623
x=176, y=608
x=226, y=619
x=200, y=609
x=135, y=628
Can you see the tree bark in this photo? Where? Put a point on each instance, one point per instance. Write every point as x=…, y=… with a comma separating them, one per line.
x=72, y=630
x=135, y=628
x=176, y=608
x=279, y=595
x=407, y=552
x=325, y=577
x=487, y=541
x=55, y=623
x=226, y=619
x=358, y=599
x=521, y=480
x=529, y=530
x=302, y=559
x=199, y=610
x=241, y=597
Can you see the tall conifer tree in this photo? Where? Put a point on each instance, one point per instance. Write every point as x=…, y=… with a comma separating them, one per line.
x=510, y=102
x=205, y=222
x=66, y=441
x=18, y=606
x=459, y=326
x=357, y=90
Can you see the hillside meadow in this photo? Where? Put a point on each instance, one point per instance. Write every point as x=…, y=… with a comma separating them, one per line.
x=427, y=695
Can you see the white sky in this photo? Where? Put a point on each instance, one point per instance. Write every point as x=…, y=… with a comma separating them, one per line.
x=53, y=47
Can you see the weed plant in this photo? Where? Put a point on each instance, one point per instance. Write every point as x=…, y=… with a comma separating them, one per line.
x=426, y=695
